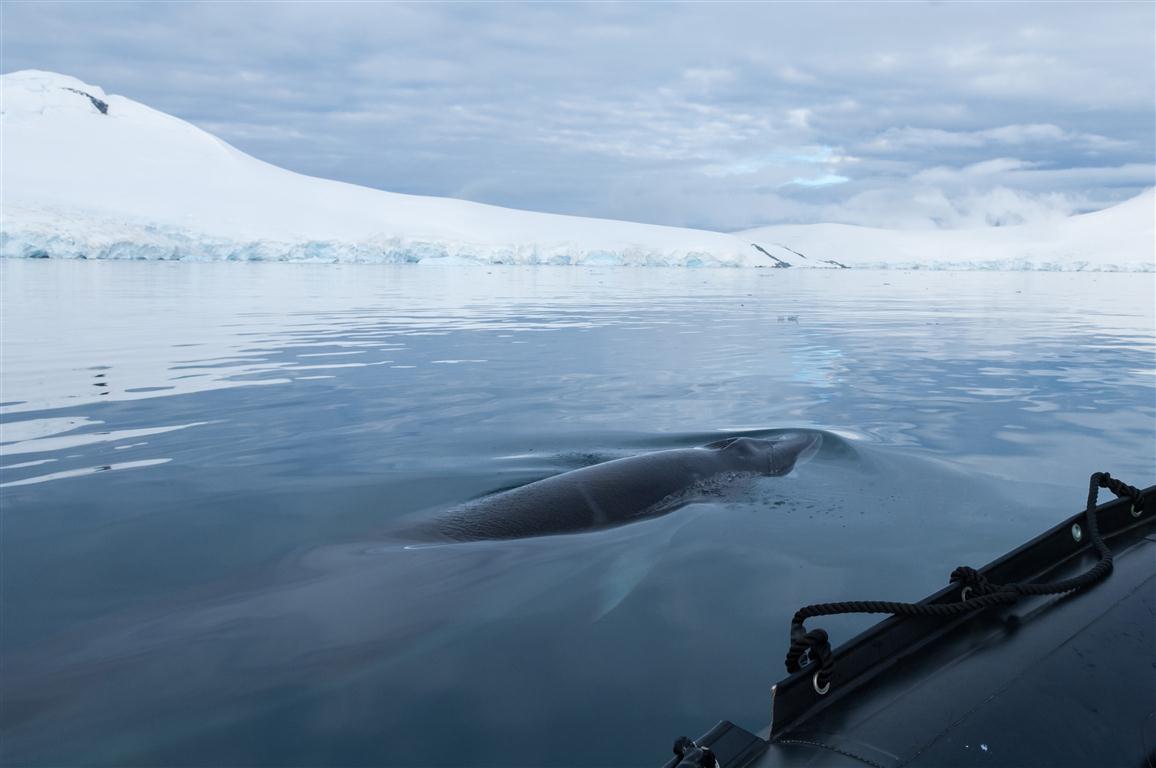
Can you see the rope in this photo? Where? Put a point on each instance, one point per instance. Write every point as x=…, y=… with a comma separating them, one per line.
x=814, y=648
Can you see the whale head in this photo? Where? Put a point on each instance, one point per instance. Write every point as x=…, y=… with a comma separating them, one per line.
x=774, y=456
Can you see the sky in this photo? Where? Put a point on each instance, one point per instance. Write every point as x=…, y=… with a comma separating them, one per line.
x=715, y=115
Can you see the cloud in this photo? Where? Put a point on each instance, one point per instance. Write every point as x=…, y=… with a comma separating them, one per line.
x=986, y=168
x=826, y=180
x=792, y=74
x=1013, y=172
x=689, y=114
x=799, y=118
x=907, y=138
x=788, y=161
x=707, y=78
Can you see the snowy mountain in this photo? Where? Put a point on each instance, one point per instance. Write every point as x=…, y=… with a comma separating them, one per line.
x=85, y=174
x=126, y=181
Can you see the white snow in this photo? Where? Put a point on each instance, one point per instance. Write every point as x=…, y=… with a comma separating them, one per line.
x=1120, y=238
x=135, y=183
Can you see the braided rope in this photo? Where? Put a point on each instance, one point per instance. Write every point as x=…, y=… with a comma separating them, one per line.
x=815, y=644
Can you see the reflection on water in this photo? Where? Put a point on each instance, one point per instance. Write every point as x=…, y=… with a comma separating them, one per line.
x=201, y=466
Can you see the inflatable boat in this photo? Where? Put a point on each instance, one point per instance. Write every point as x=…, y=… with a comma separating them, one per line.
x=1044, y=657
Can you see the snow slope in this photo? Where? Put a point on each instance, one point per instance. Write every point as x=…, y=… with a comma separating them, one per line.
x=1120, y=238
x=137, y=183
x=87, y=175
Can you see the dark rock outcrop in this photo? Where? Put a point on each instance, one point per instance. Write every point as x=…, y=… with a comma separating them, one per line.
x=102, y=106
x=779, y=263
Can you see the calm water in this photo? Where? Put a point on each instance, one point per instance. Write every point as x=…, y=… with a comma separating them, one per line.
x=204, y=466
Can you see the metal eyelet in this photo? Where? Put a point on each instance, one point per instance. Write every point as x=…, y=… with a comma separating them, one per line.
x=815, y=682
x=1136, y=512
x=963, y=593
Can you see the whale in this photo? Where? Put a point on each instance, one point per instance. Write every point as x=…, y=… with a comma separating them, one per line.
x=620, y=491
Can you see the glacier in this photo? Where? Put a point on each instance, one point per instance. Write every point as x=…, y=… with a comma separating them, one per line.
x=89, y=175
x=40, y=234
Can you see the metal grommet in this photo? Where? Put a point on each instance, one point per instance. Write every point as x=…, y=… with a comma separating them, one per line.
x=1136, y=512
x=963, y=593
x=1077, y=532
x=815, y=682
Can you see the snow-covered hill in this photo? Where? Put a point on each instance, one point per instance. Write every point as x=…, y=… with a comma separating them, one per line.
x=1120, y=238
x=130, y=182
x=89, y=175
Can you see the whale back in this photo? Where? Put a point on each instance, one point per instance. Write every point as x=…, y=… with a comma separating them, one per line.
x=598, y=496
x=774, y=456
x=619, y=491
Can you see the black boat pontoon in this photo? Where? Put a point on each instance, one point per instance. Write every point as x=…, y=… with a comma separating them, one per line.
x=1066, y=678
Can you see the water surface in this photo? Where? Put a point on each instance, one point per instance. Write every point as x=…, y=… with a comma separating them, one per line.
x=205, y=466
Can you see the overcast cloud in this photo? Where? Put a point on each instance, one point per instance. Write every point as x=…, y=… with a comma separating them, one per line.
x=715, y=115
